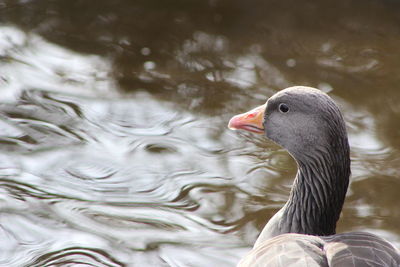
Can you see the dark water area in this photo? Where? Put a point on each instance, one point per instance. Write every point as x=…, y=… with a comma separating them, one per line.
x=114, y=149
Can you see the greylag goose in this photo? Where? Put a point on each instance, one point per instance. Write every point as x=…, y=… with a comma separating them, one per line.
x=309, y=125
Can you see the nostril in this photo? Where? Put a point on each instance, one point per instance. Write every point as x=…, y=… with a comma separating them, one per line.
x=250, y=116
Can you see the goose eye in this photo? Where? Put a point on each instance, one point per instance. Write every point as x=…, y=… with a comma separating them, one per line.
x=283, y=108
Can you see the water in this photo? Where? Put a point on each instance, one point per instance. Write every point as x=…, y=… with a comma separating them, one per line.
x=114, y=149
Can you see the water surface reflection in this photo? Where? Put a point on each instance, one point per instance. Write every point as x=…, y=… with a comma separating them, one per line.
x=114, y=149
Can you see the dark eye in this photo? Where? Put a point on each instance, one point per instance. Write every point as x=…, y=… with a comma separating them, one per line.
x=283, y=108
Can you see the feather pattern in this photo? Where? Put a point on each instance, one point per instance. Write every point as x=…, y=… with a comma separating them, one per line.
x=355, y=249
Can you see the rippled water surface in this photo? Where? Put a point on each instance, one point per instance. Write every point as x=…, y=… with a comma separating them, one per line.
x=114, y=149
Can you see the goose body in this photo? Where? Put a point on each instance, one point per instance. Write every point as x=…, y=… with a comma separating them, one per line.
x=309, y=125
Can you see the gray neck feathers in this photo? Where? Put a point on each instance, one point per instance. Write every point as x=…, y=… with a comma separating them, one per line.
x=320, y=186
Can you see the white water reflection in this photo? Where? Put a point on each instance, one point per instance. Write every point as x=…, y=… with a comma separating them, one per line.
x=126, y=181
x=29, y=61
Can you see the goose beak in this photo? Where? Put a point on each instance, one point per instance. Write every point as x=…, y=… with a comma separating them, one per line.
x=251, y=121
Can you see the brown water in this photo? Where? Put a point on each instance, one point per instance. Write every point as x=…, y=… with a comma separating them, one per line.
x=114, y=149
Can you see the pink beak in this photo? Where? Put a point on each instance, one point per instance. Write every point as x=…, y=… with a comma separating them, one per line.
x=251, y=121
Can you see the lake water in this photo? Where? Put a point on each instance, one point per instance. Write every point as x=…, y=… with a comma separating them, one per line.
x=114, y=149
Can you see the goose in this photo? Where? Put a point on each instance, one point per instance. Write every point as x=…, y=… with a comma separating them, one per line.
x=309, y=125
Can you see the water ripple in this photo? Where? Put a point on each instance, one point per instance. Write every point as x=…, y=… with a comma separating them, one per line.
x=75, y=256
x=135, y=172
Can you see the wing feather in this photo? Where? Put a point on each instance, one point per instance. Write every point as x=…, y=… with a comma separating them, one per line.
x=356, y=249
